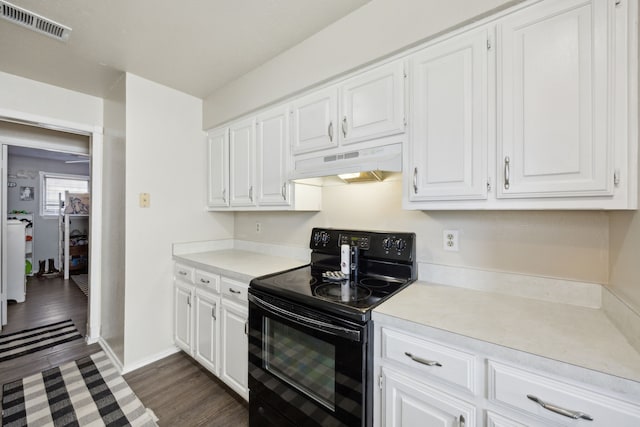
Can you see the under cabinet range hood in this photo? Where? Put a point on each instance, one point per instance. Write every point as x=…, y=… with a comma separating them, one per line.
x=387, y=158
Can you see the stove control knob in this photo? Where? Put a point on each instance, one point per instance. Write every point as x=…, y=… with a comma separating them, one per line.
x=316, y=237
x=325, y=237
x=387, y=243
x=400, y=244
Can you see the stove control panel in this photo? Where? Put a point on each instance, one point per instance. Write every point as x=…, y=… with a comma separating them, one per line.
x=390, y=246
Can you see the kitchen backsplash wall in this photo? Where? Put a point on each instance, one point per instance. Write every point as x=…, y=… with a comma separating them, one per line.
x=570, y=245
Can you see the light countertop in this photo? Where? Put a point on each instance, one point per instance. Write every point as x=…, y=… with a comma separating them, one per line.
x=576, y=335
x=238, y=264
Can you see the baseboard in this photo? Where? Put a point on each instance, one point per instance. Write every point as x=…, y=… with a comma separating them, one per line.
x=154, y=358
x=110, y=354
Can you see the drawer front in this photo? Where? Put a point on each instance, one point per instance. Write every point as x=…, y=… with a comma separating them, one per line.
x=183, y=272
x=451, y=365
x=234, y=290
x=209, y=281
x=519, y=389
x=497, y=420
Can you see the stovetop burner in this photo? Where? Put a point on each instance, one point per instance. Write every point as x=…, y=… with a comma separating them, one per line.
x=342, y=292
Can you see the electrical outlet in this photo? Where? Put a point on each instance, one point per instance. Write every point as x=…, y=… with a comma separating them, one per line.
x=258, y=227
x=451, y=240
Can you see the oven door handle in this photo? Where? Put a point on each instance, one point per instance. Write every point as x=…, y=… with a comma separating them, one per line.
x=318, y=325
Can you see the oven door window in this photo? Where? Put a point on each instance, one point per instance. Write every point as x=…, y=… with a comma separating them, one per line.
x=303, y=361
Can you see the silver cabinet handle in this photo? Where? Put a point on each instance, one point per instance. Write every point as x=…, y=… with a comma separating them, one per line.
x=461, y=421
x=182, y=273
x=344, y=126
x=251, y=193
x=558, y=410
x=284, y=191
x=507, y=172
x=421, y=360
x=213, y=312
x=205, y=281
x=189, y=301
x=330, y=131
x=233, y=291
x=415, y=180
x=224, y=195
x=246, y=327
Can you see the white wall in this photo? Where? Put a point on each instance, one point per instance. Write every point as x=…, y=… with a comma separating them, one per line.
x=165, y=157
x=40, y=99
x=377, y=29
x=113, y=219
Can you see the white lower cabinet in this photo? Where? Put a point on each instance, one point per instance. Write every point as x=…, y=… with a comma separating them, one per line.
x=207, y=342
x=411, y=403
x=234, y=347
x=209, y=323
x=183, y=294
x=423, y=382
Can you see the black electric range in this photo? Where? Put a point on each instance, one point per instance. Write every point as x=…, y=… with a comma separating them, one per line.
x=385, y=264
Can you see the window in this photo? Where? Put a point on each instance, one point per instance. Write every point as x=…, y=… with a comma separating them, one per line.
x=53, y=186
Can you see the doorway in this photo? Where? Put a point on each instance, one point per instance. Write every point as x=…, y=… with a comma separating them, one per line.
x=34, y=159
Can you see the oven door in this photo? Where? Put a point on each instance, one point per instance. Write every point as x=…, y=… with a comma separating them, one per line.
x=306, y=366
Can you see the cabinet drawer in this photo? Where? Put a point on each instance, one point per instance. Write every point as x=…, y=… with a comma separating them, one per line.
x=518, y=388
x=210, y=281
x=234, y=290
x=183, y=272
x=447, y=364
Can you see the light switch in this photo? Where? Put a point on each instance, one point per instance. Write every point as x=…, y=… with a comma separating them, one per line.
x=145, y=200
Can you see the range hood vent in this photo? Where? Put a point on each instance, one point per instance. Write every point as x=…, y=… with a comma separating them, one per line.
x=386, y=158
x=33, y=21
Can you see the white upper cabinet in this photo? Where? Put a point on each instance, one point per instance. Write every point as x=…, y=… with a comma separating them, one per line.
x=242, y=163
x=448, y=126
x=371, y=105
x=315, y=121
x=272, y=154
x=533, y=109
x=554, y=136
x=218, y=162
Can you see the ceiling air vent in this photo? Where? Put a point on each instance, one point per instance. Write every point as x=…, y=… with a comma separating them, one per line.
x=33, y=21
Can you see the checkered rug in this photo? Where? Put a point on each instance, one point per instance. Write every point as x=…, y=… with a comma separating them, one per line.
x=82, y=281
x=87, y=392
x=35, y=339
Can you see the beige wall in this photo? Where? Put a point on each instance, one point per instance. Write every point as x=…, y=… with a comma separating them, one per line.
x=377, y=29
x=568, y=245
x=625, y=256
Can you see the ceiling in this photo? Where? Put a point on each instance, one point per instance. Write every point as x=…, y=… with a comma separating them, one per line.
x=194, y=46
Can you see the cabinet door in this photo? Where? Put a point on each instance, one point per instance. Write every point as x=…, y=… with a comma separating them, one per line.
x=448, y=145
x=553, y=138
x=183, y=294
x=207, y=337
x=242, y=163
x=272, y=153
x=409, y=403
x=373, y=104
x=218, y=167
x=314, y=121
x=234, y=347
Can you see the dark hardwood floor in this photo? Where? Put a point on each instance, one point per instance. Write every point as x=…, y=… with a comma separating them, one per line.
x=182, y=393
x=48, y=301
x=176, y=388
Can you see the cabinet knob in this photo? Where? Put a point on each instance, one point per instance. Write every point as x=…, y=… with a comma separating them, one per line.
x=330, y=131
x=344, y=126
x=415, y=180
